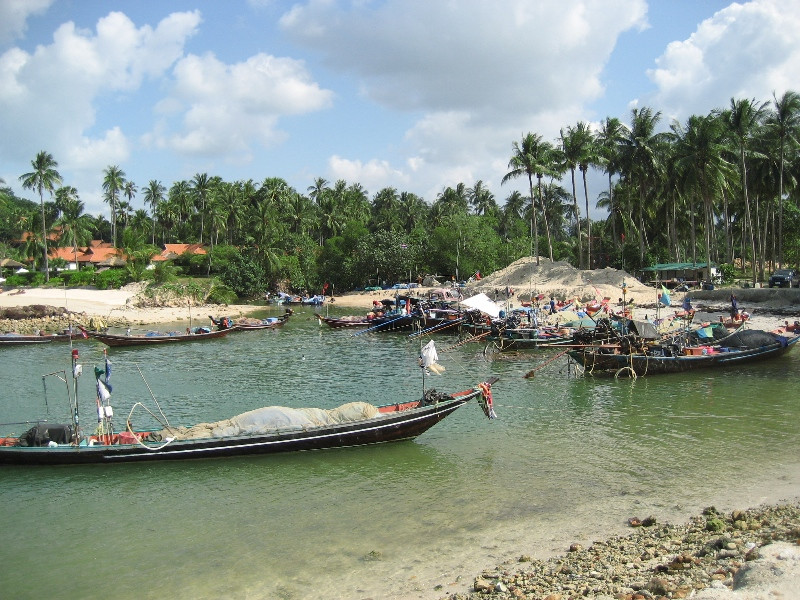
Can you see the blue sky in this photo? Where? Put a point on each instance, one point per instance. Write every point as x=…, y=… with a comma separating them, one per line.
x=412, y=94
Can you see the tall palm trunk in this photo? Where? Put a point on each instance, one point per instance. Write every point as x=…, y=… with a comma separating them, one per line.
x=44, y=239
x=544, y=216
x=747, y=214
x=615, y=241
x=577, y=219
x=534, y=221
x=693, y=229
x=588, y=223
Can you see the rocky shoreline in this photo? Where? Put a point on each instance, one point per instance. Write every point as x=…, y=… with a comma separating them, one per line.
x=713, y=551
x=35, y=319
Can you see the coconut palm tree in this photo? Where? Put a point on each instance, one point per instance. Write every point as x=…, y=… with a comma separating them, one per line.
x=610, y=137
x=785, y=121
x=412, y=210
x=481, y=199
x=698, y=153
x=386, y=209
x=300, y=213
x=181, y=200
x=200, y=186
x=743, y=118
x=356, y=204
x=580, y=150
x=43, y=177
x=316, y=191
x=533, y=157
x=153, y=196
x=76, y=227
x=113, y=184
x=640, y=162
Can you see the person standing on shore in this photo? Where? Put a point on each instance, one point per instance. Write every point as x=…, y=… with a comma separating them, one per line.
x=734, y=307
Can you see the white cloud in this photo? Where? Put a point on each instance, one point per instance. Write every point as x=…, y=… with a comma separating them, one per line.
x=14, y=16
x=373, y=175
x=226, y=108
x=479, y=74
x=113, y=148
x=744, y=51
x=52, y=93
x=487, y=57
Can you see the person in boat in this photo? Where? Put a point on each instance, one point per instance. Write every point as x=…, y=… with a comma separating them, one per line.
x=222, y=322
x=734, y=307
x=688, y=309
x=552, y=305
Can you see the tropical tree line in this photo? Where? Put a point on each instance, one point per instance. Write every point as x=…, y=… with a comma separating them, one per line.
x=718, y=188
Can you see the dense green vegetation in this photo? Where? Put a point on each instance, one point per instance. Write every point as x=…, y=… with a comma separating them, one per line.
x=720, y=188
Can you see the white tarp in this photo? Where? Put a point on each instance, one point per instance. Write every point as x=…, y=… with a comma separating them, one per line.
x=275, y=418
x=483, y=304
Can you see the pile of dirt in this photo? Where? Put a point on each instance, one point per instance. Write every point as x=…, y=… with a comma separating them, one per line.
x=562, y=281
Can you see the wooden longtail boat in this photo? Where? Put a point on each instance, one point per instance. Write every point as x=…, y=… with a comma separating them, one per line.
x=21, y=338
x=742, y=347
x=263, y=431
x=155, y=337
x=354, y=322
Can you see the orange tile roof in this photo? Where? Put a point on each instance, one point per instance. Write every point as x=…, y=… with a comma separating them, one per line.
x=173, y=251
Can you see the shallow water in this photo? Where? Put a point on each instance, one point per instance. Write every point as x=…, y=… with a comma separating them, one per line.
x=568, y=459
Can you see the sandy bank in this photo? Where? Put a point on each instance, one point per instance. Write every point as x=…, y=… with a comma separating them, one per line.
x=116, y=304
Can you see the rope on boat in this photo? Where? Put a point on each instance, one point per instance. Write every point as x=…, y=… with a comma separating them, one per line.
x=436, y=328
x=136, y=437
x=532, y=372
x=152, y=395
x=474, y=338
x=379, y=325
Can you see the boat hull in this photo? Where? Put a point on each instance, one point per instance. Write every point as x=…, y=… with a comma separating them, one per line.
x=110, y=339
x=598, y=362
x=339, y=323
x=393, y=424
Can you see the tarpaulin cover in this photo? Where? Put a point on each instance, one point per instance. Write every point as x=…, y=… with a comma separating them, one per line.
x=271, y=419
x=483, y=304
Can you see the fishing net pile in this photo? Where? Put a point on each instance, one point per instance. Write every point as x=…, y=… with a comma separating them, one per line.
x=270, y=419
x=751, y=339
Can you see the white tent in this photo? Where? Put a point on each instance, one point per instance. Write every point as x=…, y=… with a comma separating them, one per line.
x=483, y=304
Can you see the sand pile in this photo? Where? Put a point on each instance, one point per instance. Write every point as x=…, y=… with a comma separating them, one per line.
x=562, y=281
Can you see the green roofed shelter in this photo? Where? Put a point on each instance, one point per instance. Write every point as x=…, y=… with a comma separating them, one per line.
x=684, y=272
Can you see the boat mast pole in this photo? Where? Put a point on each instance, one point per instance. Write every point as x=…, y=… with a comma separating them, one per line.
x=75, y=415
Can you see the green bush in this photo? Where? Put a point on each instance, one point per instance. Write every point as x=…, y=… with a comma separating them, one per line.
x=164, y=272
x=221, y=294
x=112, y=279
x=728, y=272
x=17, y=280
x=56, y=282
x=244, y=276
x=82, y=277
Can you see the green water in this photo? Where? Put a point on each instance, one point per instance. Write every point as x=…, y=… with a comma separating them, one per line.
x=566, y=458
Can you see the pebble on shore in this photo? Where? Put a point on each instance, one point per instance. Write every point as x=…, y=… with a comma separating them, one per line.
x=659, y=561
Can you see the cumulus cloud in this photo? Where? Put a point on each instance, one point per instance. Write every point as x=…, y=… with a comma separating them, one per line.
x=746, y=50
x=225, y=108
x=52, y=92
x=475, y=72
x=14, y=16
x=373, y=175
x=489, y=58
